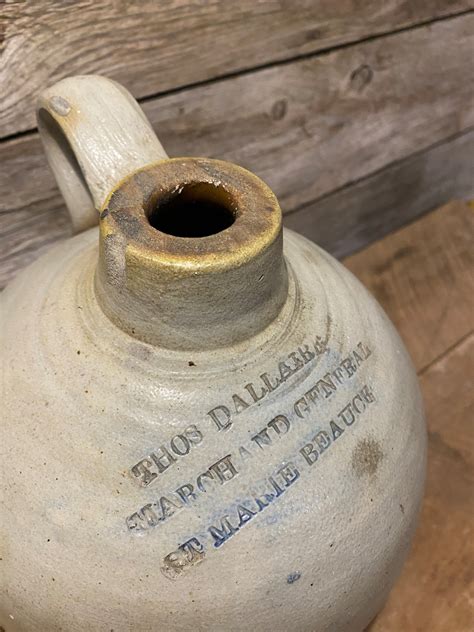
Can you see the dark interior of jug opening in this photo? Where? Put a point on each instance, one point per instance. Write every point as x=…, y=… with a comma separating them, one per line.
x=194, y=210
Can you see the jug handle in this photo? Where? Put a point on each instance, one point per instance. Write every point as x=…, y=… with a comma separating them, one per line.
x=94, y=134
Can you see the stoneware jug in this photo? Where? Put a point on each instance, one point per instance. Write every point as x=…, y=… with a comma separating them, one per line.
x=208, y=423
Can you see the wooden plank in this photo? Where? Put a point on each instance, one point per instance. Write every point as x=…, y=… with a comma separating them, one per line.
x=307, y=127
x=423, y=275
x=341, y=223
x=310, y=127
x=153, y=46
x=350, y=219
x=435, y=591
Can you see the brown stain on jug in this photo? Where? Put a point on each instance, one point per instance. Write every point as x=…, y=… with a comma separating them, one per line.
x=366, y=457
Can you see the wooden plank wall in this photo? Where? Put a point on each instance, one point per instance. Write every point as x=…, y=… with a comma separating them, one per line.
x=358, y=114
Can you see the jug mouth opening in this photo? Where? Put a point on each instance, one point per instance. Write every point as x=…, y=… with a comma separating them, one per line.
x=196, y=215
x=195, y=210
x=191, y=254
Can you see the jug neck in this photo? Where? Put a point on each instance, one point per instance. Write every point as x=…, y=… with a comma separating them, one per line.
x=191, y=255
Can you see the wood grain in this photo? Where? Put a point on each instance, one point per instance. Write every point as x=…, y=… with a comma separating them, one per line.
x=307, y=127
x=153, y=47
x=423, y=277
x=341, y=223
x=312, y=126
x=347, y=220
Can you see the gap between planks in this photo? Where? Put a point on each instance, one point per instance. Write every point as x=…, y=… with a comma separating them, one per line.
x=441, y=357
x=275, y=63
x=419, y=294
x=233, y=39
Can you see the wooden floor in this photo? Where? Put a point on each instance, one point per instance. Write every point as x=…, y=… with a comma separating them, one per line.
x=423, y=275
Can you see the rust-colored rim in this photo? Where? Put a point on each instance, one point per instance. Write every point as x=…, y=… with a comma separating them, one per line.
x=256, y=225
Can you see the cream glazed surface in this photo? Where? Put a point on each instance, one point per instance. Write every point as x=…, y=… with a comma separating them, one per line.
x=209, y=424
x=273, y=484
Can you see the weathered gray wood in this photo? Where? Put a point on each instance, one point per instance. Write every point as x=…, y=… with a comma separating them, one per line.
x=156, y=46
x=311, y=126
x=308, y=127
x=342, y=222
x=353, y=217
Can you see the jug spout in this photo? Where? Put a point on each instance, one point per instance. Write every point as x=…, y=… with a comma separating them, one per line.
x=191, y=255
x=190, y=249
